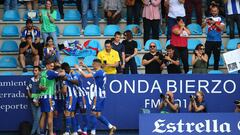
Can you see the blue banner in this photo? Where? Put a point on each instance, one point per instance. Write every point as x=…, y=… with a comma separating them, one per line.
x=127, y=95
x=190, y=124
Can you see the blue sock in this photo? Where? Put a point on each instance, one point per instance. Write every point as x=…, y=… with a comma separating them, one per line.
x=93, y=121
x=77, y=121
x=68, y=123
x=74, y=124
x=85, y=120
x=104, y=120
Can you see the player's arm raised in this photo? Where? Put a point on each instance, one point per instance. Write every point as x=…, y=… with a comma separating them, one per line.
x=85, y=75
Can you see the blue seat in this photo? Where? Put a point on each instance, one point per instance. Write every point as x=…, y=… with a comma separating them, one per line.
x=211, y=61
x=138, y=61
x=189, y=72
x=167, y=43
x=92, y=30
x=215, y=72
x=71, y=30
x=139, y=45
x=25, y=17
x=10, y=31
x=58, y=16
x=71, y=60
x=110, y=30
x=232, y=44
x=27, y=73
x=235, y=29
x=9, y=46
x=57, y=31
x=7, y=73
x=190, y=59
x=11, y=15
x=195, y=29
x=72, y=15
x=131, y=27
x=8, y=62
x=192, y=43
x=89, y=60
x=157, y=42
x=90, y=15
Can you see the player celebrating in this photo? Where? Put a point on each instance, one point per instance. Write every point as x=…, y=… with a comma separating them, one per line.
x=47, y=87
x=71, y=99
x=97, y=105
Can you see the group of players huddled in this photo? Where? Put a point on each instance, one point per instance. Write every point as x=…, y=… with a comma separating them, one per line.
x=59, y=89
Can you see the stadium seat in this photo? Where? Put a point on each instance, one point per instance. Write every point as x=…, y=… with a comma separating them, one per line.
x=71, y=60
x=211, y=61
x=235, y=29
x=72, y=15
x=94, y=45
x=25, y=17
x=157, y=42
x=10, y=31
x=58, y=16
x=71, y=30
x=27, y=73
x=92, y=30
x=138, y=61
x=8, y=62
x=215, y=72
x=192, y=43
x=195, y=29
x=58, y=31
x=90, y=15
x=111, y=29
x=232, y=44
x=7, y=73
x=167, y=43
x=136, y=30
x=9, y=46
x=89, y=60
x=11, y=15
x=189, y=72
x=139, y=45
x=190, y=59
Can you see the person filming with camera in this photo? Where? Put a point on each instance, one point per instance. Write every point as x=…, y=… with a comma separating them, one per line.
x=197, y=103
x=168, y=105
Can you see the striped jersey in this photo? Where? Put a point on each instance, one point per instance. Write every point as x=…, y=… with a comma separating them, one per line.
x=232, y=7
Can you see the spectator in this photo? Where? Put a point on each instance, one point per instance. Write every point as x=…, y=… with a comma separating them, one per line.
x=29, y=29
x=109, y=58
x=60, y=7
x=119, y=47
x=133, y=11
x=179, y=40
x=47, y=20
x=151, y=19
x=130, y=53
x=151, y=60
x=219, y=3
x=197, y=4
x=197, y=103
x=168, y=105
x=28, y=53
x=215, y=26
x=199, y=60
x=10, y=5
x=33, y=93
x=233, y=16
x=85, y=8
x=50, y=52
x=176, y=9
x=171, y=61
x=112, y=9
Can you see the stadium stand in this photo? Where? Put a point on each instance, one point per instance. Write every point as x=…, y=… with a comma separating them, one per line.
x=11, y=15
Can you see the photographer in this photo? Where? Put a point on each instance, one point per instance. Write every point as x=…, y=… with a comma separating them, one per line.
x=199, y=60
x=197, y=103
x=237, y=104
x=168, y=105
x=152, y=60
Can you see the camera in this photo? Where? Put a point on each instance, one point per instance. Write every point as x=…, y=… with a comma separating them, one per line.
x=192, y=97
x=162, y=96
x=161, y=56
